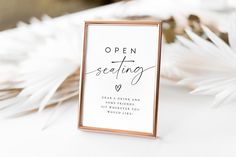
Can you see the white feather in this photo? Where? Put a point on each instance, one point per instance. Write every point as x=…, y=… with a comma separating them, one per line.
x=209, y=67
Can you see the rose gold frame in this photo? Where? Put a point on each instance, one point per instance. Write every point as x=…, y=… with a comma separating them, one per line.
x=157, y=80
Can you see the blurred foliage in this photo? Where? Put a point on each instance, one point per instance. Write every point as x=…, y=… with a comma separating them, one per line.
x=12, y=11
x=171, y=29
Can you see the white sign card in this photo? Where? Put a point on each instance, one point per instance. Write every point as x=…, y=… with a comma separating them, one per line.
x=120, y=77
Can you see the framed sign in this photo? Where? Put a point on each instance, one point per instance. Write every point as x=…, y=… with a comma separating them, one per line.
x=120, y=77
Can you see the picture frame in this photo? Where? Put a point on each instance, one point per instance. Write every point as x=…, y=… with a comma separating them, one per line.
x=112, y=101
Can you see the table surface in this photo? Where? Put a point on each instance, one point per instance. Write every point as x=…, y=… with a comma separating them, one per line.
x=187, y=126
